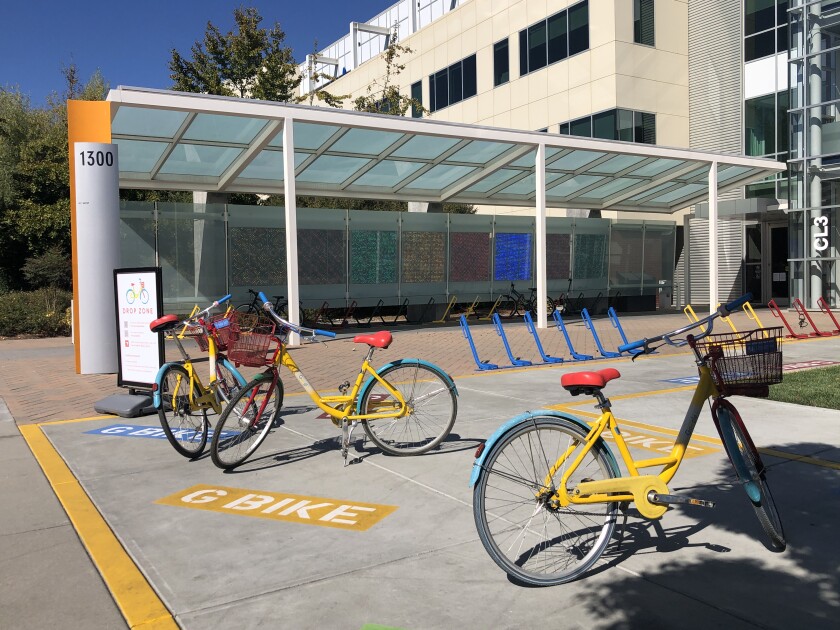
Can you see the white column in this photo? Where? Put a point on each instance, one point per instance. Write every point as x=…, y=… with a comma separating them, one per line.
x=289, y=192
x=814, y=117
x=354, y=44
x=713, y=238
x=97, y=254
x=542, y=311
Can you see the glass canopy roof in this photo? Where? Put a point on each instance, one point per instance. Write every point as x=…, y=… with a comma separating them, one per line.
x=179, y=141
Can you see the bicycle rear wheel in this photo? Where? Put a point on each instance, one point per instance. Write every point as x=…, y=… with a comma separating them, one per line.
x=185, y=428
x=246, y=421
x=431, y=402
x=739, y=445
x=531, y=540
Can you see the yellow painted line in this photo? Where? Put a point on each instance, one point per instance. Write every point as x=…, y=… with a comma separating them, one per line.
x=281, y=506
x=91, y=418
x=135, y=598
x=805, y=459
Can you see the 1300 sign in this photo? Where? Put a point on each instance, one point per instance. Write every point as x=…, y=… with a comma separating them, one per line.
x=97, y=158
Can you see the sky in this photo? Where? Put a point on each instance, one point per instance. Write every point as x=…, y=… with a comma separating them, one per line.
x=130, y=42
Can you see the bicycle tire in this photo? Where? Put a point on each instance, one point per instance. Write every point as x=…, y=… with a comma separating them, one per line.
x=239, y=433
x=568, y=540
x=738, y=443
x=226, y=382
x=432, y=403
x=186, y=429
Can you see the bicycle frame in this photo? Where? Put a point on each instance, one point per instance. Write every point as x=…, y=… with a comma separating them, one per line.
x=633, y=487
x=340, y=406
x=207, y=398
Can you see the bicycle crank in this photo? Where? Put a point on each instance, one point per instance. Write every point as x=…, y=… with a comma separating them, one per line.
x=667, y=499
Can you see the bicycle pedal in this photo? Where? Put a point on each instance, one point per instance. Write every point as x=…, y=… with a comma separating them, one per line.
x=668, y=499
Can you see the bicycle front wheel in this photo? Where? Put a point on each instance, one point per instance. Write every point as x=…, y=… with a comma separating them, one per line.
x=431, y=407
x=246, y=421
x=185, y=428
x=533, y=541
x=739, y=445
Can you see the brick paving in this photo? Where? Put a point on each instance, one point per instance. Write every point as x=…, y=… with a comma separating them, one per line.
x=38, y=380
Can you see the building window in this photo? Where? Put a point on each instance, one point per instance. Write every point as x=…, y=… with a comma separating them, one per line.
x=643, y=23
x=614, y=124
x=453, y=84
x=765, y=28
x=417, y=98
x=559, y=36
x=766, y=135
x=501, y=63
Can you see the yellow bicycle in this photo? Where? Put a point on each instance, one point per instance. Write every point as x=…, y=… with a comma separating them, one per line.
x=181, y=399
x=406, y=407
x=547, y=488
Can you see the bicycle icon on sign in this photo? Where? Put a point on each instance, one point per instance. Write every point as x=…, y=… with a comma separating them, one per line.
x=134, y=294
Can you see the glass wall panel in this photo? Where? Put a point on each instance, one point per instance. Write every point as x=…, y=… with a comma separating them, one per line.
x=191, y=242
x=558, y=254
x=256, y=251
x=513, y=256
x=137, y=234
x=658, y=270
x=374, y=256
x=470, y=262
x=626, y=257
x=423, y=256
x=590, y=255
x=322, y=256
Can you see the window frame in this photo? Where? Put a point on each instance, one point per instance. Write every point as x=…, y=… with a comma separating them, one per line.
x=501, y=50
x=575, y=42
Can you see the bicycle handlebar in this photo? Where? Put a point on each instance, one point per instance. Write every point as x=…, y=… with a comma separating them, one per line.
x=267, y=305
x=723, y=311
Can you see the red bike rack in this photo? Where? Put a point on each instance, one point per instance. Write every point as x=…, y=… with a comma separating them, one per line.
x=774, y=308
x=824, y=308
x=800, y=308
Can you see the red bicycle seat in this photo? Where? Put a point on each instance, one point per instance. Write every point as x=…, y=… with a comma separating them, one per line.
x=588, y=380
x=162, y=324
x=382, y=339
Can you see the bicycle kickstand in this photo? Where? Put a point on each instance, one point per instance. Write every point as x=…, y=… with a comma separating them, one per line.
x=346, y=433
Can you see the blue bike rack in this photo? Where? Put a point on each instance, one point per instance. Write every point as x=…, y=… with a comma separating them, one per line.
x=562, y=326
x=588, y=321
x=529, y=322
x=497, y=322
x=617, y=324
x=482, y=365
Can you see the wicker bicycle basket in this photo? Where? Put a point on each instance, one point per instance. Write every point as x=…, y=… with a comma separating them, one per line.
x=748, y=358
x=252, y=346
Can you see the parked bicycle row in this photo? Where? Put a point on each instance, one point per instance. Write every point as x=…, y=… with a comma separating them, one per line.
x=547, y=488
x=406, y=407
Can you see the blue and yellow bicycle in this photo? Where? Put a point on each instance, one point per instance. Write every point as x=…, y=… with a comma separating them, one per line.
x=547, y=489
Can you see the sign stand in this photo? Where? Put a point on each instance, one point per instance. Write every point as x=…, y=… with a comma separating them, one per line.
x=139, y=300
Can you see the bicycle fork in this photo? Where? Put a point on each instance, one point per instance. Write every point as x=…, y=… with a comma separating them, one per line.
x=346, y=433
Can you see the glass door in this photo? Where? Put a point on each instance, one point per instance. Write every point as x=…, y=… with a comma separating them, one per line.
x=778, y=262
x=752, y=261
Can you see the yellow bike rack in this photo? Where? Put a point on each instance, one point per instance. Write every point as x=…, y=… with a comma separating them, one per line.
x=748, y=309
x=471, y=308
x=692, y=317
x=492, y=310
x=445, y=317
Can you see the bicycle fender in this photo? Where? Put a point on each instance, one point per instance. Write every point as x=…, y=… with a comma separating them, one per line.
x=239, y=378
x=478, y=464
x=370, y=381
x=158, y=378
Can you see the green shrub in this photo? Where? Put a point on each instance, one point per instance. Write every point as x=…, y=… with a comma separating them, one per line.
x=41, y=313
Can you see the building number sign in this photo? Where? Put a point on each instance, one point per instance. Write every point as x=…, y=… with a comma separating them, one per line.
x=820, y=233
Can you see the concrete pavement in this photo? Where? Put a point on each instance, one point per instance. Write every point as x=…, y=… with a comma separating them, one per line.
x=421, y=565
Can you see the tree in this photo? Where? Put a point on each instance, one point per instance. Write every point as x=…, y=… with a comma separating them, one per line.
x=34, y=175
x=383, y=95
x=250, y=63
